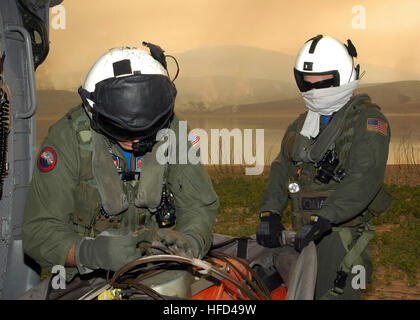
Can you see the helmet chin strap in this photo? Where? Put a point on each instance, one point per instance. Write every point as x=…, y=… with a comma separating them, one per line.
x=146, y=145
x=142, y=147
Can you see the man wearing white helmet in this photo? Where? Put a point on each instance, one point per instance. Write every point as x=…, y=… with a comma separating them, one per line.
x=99, y=196
x=331, y=165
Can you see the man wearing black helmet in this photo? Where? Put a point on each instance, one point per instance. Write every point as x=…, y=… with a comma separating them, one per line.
x=99, y=194
x=331, y=165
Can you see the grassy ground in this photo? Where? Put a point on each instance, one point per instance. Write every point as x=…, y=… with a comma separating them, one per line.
x=395, y=248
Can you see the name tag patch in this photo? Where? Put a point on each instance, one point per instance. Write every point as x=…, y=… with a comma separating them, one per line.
x=313, y=203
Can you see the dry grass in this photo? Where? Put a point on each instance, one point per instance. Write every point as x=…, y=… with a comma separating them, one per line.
x=403, y=174
x=383, y=287
x=406, y=170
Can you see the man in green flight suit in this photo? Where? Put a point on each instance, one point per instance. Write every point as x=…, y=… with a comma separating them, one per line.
x=100, y=194
x=331, y=165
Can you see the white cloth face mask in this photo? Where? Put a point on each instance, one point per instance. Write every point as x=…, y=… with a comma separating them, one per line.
x=324, y=102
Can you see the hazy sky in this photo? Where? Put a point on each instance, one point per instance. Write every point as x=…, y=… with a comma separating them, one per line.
x=390, y=37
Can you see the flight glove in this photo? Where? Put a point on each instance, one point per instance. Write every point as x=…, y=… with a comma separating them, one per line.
x=183, y=244
x=312, y=231
x=270, y=229
x=110, y=250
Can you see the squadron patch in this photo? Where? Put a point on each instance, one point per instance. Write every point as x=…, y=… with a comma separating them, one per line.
x=377, y=125
x=47, y=159
x=194, y=139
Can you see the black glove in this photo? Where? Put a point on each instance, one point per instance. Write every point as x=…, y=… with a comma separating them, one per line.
x=312, y=231
x=269, y=230
x=110, y=250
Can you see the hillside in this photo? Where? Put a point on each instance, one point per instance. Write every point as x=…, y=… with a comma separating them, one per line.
x=397, y=97
x=250, y=62
x=234, y=75
x=56, y=102
x=211, y=77
x=210, y=92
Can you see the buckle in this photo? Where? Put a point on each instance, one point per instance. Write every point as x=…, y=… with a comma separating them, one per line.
x=340, y=282
x=128, y=175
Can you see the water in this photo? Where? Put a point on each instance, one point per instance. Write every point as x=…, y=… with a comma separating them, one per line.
x=405, y=132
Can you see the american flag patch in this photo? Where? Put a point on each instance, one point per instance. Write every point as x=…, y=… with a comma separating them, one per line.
x=377, y=126
x=194, y=138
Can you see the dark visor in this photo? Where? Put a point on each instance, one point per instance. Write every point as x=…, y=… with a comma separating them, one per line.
x=306, y=85
x=131, y=107
x=120, y=133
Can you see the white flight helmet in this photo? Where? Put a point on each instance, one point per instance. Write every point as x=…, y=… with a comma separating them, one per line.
x=128, y=94
x=322, y=55
x=106, y=67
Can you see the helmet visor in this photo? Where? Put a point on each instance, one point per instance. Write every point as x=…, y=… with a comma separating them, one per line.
x=118, y=132
x=304, y=85
x=131, y=107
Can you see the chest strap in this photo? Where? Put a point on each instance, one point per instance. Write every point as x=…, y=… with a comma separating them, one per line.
x=110, y=187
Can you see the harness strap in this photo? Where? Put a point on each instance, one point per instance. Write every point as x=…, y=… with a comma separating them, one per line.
x=352, y=257
x=242, y=248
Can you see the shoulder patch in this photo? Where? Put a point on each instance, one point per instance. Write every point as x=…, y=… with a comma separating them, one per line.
x=194, y=139
x=47, y=159
x=377, y=125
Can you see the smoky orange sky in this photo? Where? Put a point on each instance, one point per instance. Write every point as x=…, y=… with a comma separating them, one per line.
x=390, y=38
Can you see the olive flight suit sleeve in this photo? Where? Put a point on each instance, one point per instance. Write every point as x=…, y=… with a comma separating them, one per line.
x=195, y=200
x=275, y=197
x=47, y=233
x=365, y=168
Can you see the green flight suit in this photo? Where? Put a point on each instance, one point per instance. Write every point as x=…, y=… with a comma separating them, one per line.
x=361, y=135
x=64, y=202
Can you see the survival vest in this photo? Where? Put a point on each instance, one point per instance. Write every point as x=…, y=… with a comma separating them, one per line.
x=304, y=153
x=102, y=199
